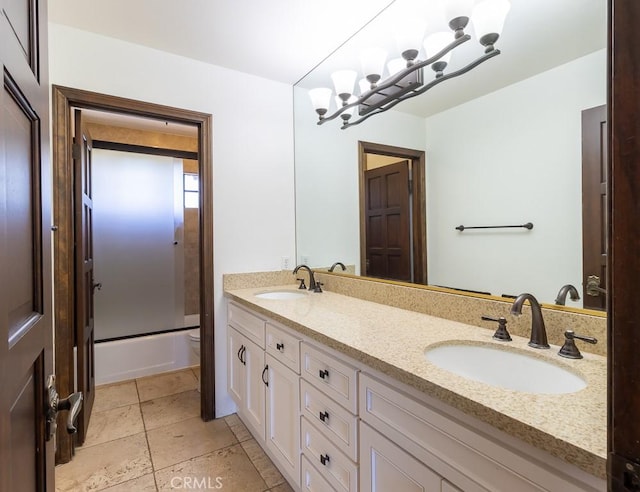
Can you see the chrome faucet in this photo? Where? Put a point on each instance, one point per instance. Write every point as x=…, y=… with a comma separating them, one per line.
x=312, y=280
x=561, y=299
x=538, y=331
x=338, y=263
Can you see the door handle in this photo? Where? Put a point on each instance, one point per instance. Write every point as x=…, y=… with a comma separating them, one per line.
x=265, y=381
x=96, y=286
x=593, y=286
x=73, y=404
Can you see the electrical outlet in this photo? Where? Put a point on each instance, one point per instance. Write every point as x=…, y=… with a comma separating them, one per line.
x=286, y=263
x=304, y=260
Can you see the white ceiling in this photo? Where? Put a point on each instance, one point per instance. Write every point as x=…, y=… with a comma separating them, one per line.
x=284, y=39
x=278, y=39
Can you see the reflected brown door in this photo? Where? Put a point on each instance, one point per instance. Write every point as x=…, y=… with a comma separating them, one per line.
x=387, y=219
x=594, y=207
x=84, y=332
x=26, y=351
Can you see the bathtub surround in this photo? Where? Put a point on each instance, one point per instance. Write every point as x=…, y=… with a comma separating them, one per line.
x=444, y=304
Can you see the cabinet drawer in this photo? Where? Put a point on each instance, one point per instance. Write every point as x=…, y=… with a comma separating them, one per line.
x=333, y=465
x=336, y=423
x=312, y=480
x=284, y=347
x=246, y=323
x=336, y=379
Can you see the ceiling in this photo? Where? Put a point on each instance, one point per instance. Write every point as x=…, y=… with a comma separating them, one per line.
x=284, y=40
x=280, y=39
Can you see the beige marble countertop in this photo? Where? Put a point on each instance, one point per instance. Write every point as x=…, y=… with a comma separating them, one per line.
x=572, y=427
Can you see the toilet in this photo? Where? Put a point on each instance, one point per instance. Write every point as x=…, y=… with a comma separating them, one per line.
x=194, y=341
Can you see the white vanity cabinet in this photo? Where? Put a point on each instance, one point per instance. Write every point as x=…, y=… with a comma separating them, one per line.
x=329, y=406
x=263, y=380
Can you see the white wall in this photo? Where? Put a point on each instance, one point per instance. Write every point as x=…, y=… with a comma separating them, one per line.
x=252, y=147
x=327, y=207
x=511, y=157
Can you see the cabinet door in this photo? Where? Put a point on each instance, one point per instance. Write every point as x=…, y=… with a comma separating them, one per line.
x=236, y=372
x=384, y=466
x=283, y=417
x=254, y=396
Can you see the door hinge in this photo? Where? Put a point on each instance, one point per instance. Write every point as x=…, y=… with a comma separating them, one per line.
x=624, y=473
x=76, y=151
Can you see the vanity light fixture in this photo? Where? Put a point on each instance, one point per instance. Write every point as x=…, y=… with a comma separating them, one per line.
x=405, y=75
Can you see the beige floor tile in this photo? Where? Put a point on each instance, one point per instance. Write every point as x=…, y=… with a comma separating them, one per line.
x=146, y=483
x=263, y=463
x=227, y=468
x=187, y=439
x=105, y=465
x=238, y=428
x=115, y=395
x=170, y=409
x=152, y=387
x=196, y=372
x=283, y=487
x=109, y=425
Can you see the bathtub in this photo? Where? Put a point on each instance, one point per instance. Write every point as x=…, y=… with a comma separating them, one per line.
x=130, y=358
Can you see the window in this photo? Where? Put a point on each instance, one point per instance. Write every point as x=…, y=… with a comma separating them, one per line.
x=191, y=190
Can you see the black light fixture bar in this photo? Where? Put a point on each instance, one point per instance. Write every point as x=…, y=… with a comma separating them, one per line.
x=422, y=90
x=396, y=80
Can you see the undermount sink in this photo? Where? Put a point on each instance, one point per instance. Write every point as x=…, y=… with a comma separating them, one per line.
x=505, y=368
x=281, y=295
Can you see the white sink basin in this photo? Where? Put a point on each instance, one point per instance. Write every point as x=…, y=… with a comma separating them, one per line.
x=281, y=295
x=505, y=368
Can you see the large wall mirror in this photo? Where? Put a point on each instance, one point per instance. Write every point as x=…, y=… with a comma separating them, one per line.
x=516, y=140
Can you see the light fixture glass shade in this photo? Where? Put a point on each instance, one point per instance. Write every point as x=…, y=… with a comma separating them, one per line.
x=320, y=97
x=436, y=42
x=396, y=65
x=372, y=60
x=458, y=8
x=365, y=86
x=409, y=35
x=344, y=80
x=489, y=16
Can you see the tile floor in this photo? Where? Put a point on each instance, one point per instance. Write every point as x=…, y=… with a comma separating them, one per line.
x=146, y=435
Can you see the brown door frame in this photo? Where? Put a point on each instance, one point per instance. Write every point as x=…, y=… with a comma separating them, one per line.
x=419, y=222
x=63, y=99
x=623, y=186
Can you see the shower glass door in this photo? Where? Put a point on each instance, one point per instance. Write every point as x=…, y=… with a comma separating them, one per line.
x=138, y=252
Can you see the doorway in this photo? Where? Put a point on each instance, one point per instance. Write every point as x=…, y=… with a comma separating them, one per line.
x=393, y=228
x=66, y=288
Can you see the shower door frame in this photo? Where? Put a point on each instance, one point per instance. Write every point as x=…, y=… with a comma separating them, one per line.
x=63, y=100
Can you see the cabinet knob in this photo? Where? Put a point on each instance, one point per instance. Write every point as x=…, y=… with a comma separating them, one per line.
x=323, y=373
x=324, y=416
x=324, y=459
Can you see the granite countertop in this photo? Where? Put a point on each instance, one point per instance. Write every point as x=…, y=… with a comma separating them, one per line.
x=572, y=427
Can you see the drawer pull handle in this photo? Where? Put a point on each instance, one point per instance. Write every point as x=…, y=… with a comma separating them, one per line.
x=324, y=459
x=241, y=352
x=280, y=346
x=323, y=373
x=324, y=416
x=265, y=381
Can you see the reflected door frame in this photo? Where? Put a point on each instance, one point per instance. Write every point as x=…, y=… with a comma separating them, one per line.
x=418, y=197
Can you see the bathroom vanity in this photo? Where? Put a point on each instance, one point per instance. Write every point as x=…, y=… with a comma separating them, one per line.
x=339, y=393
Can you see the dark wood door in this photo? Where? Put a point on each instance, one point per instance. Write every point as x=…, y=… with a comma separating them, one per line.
x=594, y=207
x=387, y=219
x=26, y=350
x=83, y=210
x=624, y=247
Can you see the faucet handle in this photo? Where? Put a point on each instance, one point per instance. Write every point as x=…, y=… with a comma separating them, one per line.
x=569, y=349
x=302, y=284
x=318, y=287
x=501, y=333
